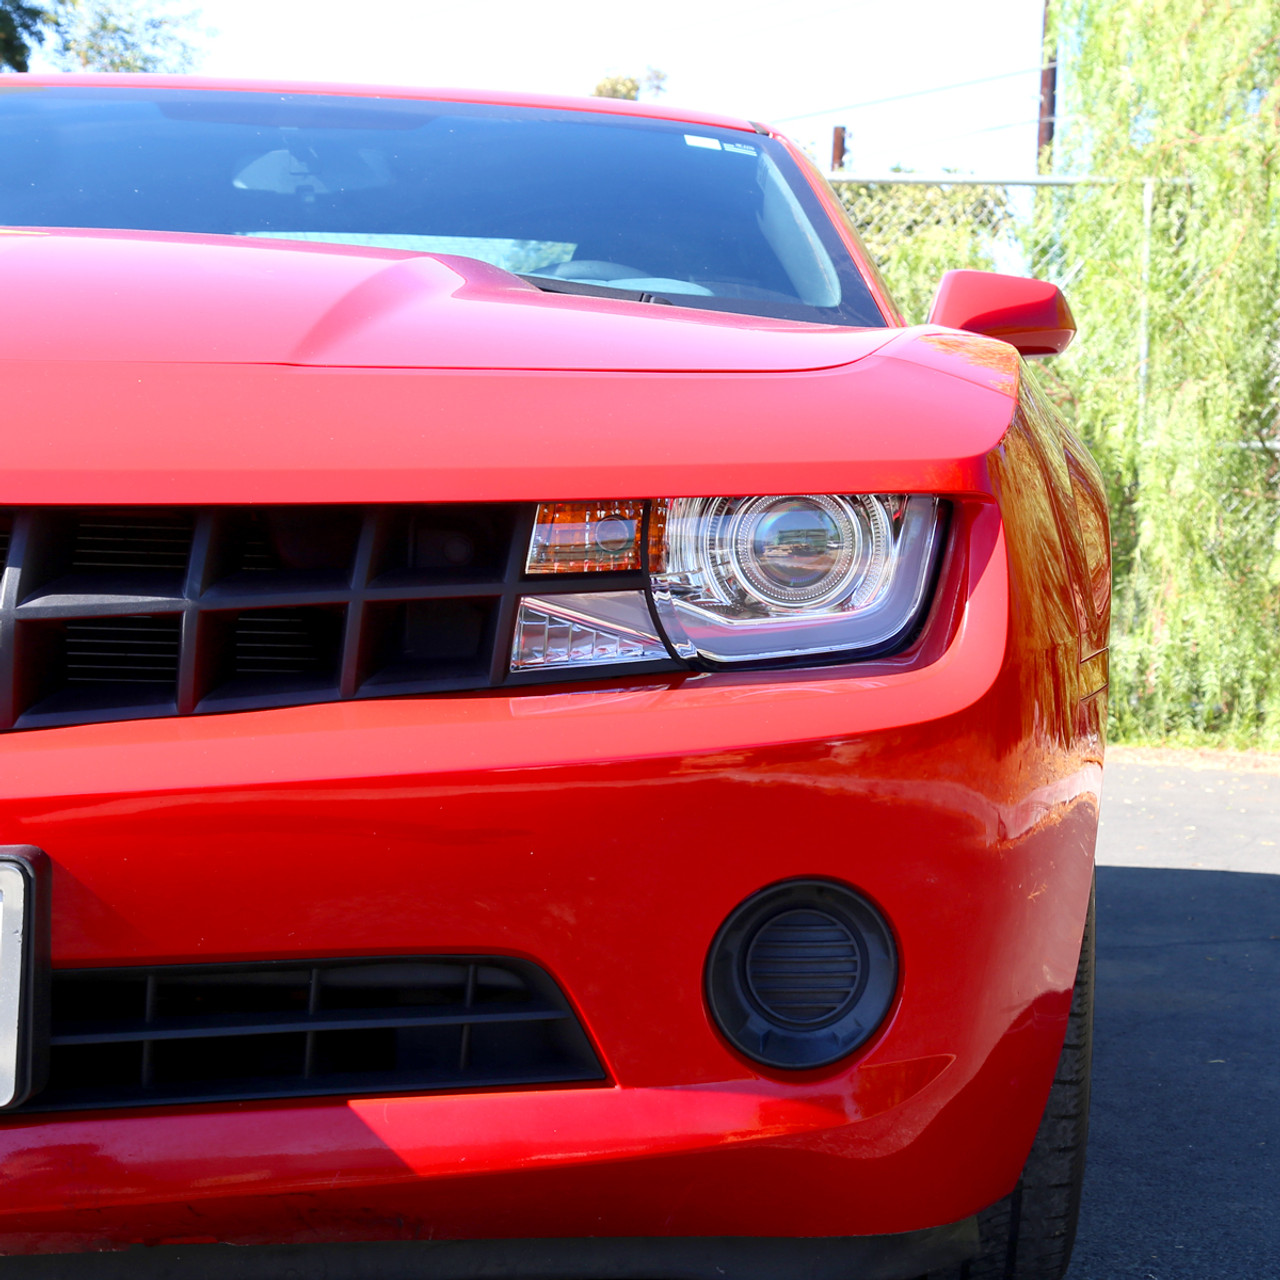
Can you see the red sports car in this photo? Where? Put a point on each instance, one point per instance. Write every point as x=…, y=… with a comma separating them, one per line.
x=547, y=732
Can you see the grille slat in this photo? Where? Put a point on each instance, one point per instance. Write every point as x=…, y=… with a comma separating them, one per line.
x=151, y=1036
x=804, y=967
x=266, y=1024
x=277, y=643
x=141, y=650
x=255, y=556
x=159, y=544
x=134, y=613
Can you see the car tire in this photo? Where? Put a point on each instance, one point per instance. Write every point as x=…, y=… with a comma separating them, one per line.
x=1029, y=1234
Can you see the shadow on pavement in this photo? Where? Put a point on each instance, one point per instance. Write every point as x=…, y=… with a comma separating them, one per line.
x=1183, y=1177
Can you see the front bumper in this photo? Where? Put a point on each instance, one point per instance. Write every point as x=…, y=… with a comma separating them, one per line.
x=604, y=833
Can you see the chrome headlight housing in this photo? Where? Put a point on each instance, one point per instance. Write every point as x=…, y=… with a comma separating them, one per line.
x=785, y=577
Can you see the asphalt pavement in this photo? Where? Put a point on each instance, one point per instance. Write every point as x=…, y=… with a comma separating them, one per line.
x=1183, y=1178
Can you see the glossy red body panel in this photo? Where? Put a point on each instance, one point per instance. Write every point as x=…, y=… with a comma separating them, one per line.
x=603, y=830
x=1031, y=315
x=179, y=299
x=257, y=434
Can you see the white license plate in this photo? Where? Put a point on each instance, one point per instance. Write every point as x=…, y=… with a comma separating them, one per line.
x=15, y=948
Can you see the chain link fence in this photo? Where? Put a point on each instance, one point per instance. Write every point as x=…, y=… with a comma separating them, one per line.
x=917, y=228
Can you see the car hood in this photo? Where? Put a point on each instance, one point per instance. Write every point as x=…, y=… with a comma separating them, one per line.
x=160, y=298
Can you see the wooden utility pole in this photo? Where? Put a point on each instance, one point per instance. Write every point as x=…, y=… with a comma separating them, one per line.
x=1048, y=93
x=837, y=147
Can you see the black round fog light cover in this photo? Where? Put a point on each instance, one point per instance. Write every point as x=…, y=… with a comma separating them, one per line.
x=801, y=974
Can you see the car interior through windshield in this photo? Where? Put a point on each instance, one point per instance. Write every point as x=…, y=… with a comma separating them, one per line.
x=692, y=215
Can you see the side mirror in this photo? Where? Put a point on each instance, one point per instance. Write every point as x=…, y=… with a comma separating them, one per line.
x=1031, y=315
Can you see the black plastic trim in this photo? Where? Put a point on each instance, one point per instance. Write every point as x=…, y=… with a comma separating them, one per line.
x=553, y=284
x=170, y=1034
x=902, y=1256
x=760, y=1032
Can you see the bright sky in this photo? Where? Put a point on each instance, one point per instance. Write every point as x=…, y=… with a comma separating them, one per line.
x=804, y=65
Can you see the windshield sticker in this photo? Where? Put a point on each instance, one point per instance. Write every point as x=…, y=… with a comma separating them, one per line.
x=693, y=140
x=741, y=148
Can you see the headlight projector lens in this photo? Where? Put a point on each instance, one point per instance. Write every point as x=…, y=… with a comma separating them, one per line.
x=801, y=974
x=799, y=552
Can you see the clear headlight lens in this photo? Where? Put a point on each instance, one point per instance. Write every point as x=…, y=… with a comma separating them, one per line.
x=589, y=629
x=791, y=575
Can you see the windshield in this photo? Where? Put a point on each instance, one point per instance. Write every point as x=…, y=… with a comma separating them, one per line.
x=688, y=214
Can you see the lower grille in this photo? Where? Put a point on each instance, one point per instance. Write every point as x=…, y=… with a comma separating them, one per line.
x=214, y=1033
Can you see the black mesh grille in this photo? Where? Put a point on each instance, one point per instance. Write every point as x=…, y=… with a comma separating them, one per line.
x=803, y=967
x=206, y=1033
x=120, y=613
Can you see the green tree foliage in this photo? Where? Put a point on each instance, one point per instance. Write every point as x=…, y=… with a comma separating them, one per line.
x=96, y=35
x=1172, y=267
x=21, y=25
x=627, y=87
x=1175, y=378
x=652, y=83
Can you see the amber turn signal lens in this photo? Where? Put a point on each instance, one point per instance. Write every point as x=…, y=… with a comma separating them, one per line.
x=586, y=537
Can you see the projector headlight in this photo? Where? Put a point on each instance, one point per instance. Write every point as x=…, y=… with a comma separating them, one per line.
x=791, y=576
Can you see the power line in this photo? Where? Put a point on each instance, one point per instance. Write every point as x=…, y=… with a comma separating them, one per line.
x=991, y=128
x=901, y=97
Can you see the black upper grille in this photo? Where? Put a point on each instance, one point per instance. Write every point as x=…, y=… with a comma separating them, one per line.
x=108, y=651
x=288, y=642
x=115, y=614
x=209, y=1033
x=153, y=543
